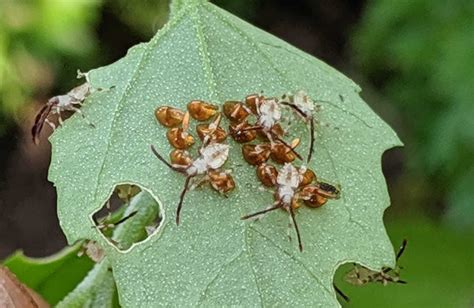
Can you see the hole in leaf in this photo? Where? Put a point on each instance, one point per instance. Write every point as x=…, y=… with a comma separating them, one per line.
x=130, y=216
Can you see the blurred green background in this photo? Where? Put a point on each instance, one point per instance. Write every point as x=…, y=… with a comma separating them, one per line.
x=414, y=59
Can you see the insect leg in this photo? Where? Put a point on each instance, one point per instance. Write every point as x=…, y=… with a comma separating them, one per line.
x=153, y=149
x=292, y=214
x=60, y=119
x=51, y=124
x=181, y=198
x=311, y=143
x=77, y=110
x=401, y=249
x=274, y=207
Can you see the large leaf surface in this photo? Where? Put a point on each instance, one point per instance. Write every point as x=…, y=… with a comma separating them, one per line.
x=213, y=257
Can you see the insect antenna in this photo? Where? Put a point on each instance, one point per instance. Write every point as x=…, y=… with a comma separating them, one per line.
x=401, y=249
x=153, y=149
x=311, y=123
x=181, y=198
x=296, y=108
x=39, y=122
x=292, y=149
x=311, y=142
x=275, y=207
x=341, y=294
x=399, y=254
x=293, y=219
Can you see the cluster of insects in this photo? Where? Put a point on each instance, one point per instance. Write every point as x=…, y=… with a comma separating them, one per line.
x=291, y=184
x=256, y=122
x=212, y=154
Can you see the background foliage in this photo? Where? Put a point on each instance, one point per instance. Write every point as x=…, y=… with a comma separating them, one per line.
x=420, y=54
x=413, y=59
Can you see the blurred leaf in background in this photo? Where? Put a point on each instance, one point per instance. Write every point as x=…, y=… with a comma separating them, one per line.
x=144, y=17
x=36, y=39
x=421, y=53
x=52, y=277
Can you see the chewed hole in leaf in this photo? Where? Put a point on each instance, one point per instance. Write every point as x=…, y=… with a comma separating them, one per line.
x=130, y=216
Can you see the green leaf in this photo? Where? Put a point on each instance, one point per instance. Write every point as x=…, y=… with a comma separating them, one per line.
x=52, y=277
x=213, y=257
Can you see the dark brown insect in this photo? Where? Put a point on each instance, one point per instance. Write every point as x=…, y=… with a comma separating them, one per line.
x=212, y=132
x=361, y=275
x=59, y=104
x=169, y=116
x=201, y=110
x=240, y=132
x=288, y=190
x=236, y=112
x=284, y=153
x=267, y=174
x=179, y=137
x=208, y=165
x=256, y=154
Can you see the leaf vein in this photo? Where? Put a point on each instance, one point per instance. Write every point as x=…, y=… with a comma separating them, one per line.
x=219, y=272
x=298, y=261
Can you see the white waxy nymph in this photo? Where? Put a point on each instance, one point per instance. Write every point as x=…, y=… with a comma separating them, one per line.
x=288, y=181
x=303, y=102
x=212, y=157
x=269, y=113
x=73, y=97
